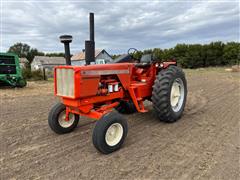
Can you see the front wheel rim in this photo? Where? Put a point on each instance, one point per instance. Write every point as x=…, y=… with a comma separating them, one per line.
x=177, y=95
x=114, y=134
x=62, y=120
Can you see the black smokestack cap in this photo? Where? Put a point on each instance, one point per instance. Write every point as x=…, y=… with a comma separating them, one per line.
x=66, y=39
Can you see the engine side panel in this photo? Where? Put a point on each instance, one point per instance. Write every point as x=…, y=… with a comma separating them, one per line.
x=88, y=86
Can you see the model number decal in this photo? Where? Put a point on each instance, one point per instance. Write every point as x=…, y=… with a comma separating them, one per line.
x=105, y=72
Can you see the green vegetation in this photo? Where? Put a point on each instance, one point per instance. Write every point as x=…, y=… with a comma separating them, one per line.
x=32, y=75
x=55, y=54
x=187, y=55
x=25, y=51
x=197, y=55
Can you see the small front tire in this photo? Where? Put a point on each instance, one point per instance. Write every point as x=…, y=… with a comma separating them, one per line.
x=109, y=133
x=57, y=121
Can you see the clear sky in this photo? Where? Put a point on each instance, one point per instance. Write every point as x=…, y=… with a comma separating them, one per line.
x=118, y=24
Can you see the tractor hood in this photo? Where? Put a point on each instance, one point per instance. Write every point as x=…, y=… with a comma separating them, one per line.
x=82, y=81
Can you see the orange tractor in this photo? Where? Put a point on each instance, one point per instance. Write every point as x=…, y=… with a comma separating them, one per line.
x=95, y=90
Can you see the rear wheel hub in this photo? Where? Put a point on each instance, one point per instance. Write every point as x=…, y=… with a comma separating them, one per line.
x=177, y=95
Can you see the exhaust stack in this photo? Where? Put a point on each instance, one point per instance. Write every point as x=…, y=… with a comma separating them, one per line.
x=66, y=40
x=90, y=44
x=91, y=26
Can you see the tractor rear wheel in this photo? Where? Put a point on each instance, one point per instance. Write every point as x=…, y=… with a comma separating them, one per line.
x=169, y=94
x=126, y=107
x=110, y=132
x=57, y=121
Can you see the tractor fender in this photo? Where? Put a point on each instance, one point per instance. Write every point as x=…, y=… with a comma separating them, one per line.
x=165, y=65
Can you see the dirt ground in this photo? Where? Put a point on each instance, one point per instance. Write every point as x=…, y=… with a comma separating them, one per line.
x=204, y=144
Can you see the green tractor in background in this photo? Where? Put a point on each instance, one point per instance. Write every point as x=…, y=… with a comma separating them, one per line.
x=10, y=71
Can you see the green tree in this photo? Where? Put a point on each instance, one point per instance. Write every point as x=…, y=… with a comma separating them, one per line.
x=179, y=52
x=148, y=51
x=25, y=51
x=231, y=53
x=157, y=54
x=193, y=57
x=114, y=56
x=20, y=49
x=198, y=55
x=55, y=54
x=214, y=54
x=168, y=54
x=137, y=55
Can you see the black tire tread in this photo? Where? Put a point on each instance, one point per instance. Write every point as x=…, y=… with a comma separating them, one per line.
x=53, y=119
x=161, y=93
x=100, y=129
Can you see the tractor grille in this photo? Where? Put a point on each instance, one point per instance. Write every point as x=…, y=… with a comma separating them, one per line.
x=65, y=82
x=7, y=65
x=7, y=60
x=7, y=69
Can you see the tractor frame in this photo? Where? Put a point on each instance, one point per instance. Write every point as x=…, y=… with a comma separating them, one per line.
x=91, y=96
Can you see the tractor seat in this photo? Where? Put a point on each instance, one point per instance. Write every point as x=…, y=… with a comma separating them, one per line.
x=142, y=65
x=145, y=61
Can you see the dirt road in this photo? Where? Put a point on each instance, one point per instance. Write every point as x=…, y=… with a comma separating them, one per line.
x=204, y=144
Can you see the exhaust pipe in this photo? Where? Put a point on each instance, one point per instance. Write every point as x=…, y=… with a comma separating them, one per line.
x=90, y=44
x=91, y=26
x=66, y=40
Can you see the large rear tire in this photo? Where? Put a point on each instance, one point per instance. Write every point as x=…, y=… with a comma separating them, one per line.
x=57, y=121
x=169, y=94
x=110, y=132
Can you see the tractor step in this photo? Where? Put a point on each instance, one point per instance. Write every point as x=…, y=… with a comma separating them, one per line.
x=137, y=101
x=142, y=108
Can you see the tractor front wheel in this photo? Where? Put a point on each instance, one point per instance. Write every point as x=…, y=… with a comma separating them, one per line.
x=169, y=94
x=57, y=119
x=109, y=133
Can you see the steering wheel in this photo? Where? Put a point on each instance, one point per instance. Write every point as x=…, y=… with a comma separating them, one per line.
x=131, y=52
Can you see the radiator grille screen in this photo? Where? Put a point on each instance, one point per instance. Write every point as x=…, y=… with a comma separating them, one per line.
x=7, y=59
x=65, y=82
x=7, y=65
x=7, y=69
